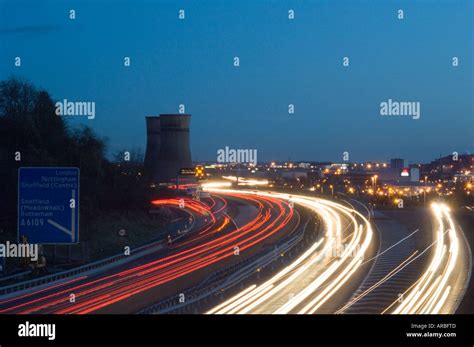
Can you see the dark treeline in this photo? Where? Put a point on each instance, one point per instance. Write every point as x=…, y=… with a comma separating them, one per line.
x=30, y=126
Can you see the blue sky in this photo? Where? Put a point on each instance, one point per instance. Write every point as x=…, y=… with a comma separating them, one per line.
x=282, y=61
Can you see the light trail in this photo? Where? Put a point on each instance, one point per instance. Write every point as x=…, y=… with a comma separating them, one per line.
x=332, y=271
x=430, y=294
x=241, y=181
x=272, y=216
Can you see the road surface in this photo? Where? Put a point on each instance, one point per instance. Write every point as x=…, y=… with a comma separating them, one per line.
x=131, y=287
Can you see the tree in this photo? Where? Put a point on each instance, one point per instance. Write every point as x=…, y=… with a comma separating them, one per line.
x=29, y=125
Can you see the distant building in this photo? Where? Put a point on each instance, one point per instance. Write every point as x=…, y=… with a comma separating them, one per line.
x=293, y=174
x=397, y=163
x=414, y=174
x=304, y=165
x=447, y=167
x=168, y=148
x=152, y=146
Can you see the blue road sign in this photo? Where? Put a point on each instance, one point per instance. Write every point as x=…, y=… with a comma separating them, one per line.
x=48, y=205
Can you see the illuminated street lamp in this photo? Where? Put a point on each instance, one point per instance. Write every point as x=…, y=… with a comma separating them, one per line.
x=374, y=182
x=424, y=191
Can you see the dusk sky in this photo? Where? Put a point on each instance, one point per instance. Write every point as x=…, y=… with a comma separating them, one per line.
x=282, y=62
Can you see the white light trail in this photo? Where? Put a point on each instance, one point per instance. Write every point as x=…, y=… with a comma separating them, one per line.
x=430, y=294
x=331, y=271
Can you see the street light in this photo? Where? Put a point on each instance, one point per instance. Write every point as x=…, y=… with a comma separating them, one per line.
x=424, y=192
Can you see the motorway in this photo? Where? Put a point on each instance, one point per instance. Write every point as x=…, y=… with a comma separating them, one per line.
x=314, y=279
x=441, y=286
x=315, y=282
x=213, y=241
x=339, y=272
x=423, y=265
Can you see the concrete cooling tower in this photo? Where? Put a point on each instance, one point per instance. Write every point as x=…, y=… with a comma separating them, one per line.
x=152, y=146
x=167, y=149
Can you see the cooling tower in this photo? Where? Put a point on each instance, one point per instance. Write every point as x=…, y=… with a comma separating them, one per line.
x=152, y=147
x=170, y=152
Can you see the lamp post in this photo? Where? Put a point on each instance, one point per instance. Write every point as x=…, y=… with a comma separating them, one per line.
x=424, y=192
